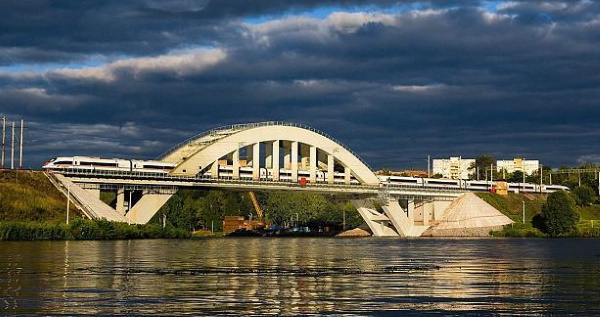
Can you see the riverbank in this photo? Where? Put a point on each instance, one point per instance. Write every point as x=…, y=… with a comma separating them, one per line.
x=83, y=229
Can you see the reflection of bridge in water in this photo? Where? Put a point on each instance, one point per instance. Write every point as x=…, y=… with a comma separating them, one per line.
x=269, y=156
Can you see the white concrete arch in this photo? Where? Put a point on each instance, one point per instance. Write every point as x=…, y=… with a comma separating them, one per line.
x=202, y=153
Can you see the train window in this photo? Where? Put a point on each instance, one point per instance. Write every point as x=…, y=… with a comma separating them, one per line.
x=98, y=164
x=160, y=167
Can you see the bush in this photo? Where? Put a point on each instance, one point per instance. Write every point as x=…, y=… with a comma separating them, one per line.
x=81, y=229
x=30, y=231
x=559, y=216
x=584, y=195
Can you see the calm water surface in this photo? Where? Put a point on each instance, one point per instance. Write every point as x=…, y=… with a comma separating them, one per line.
x=291, y=276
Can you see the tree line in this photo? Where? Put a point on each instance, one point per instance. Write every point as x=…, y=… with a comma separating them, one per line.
x=206, y=209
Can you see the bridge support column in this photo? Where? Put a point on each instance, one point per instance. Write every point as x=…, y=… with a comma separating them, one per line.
x=398, y=218
x=313, y=164
x=392, y=222
x=256, y=161
x=410, y=209
x=287, y=155
x=294, y=161
x=276, y=160
x=120, y=207
x=214, y=170
x=347, y=172
x=330, y=168
x=269, y=155
x=236, y=164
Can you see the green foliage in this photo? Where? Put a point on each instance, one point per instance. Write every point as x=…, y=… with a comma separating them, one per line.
x=559, y=215
x=517, y=230
x=584, y=195
x=196, y=209
x=205, y=210
x=81, y=229
x=516, y=177
x=29, y=231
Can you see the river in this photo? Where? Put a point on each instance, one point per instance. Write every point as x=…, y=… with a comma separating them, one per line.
x=301, y=276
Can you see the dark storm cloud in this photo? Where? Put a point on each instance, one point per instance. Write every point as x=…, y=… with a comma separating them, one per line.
x=445, y=78
x=37, y=31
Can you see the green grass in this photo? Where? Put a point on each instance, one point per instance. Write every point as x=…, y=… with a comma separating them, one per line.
x=512, y=205
x=518, y=230
x=29, y=196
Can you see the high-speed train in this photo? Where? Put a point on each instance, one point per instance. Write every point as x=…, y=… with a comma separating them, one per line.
x=285, y=175
x=472, y=185
x=87, y=163
x=93, y=164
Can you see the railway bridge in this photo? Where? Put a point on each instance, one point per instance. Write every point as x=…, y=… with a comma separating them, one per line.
x=267, y=156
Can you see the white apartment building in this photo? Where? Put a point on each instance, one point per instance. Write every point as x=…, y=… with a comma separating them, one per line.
x=518, y=164
x=453, y=168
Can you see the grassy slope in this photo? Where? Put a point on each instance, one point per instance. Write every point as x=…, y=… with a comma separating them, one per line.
x=29, y=196
x=512, y=206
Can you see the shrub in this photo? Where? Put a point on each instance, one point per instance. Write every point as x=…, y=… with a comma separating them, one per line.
x=559, y=215
x=584, y=195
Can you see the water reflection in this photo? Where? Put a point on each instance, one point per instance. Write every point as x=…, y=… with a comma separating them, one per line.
x=293, y=276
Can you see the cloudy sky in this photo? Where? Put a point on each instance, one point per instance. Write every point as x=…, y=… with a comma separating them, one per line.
x=394, y=80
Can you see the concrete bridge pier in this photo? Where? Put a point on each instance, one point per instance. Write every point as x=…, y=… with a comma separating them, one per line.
x=400, y=217
x=379, y=223
x=147, y=207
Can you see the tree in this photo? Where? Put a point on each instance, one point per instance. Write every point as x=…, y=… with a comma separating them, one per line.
x=559, y=215
x=482, y=163
x=516, y=177
x=584, y=195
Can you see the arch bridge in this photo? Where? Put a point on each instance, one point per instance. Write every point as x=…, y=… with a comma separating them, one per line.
x=260, y=156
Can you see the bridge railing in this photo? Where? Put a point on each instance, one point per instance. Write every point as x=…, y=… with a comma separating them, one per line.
x=245, y=126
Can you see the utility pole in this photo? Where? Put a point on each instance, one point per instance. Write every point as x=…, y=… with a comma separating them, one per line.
x=21, y=147
x=3, y=138
x=523, y=187
x=129, y=209
x=540, y=178
x=68, y=200
x=429, y=166
x=12, y=148
x=523, y=212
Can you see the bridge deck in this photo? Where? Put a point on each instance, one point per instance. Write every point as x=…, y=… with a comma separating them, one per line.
x=156, y=180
